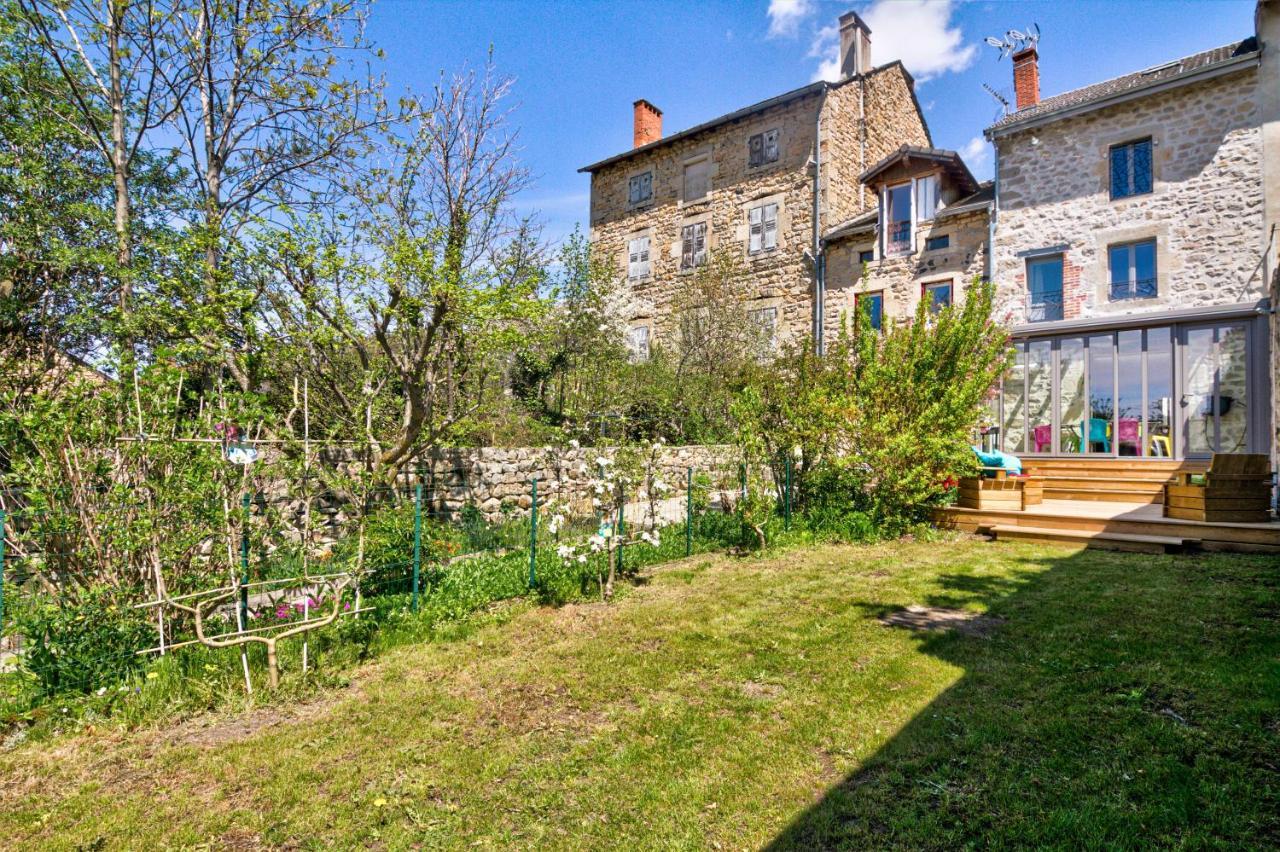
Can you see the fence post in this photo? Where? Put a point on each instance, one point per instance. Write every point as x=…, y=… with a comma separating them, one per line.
x=786, y=504
x=417, y=538
x=244, y=561
x=533, y=536
x=688, y=513
x=622, y=507
x=1, y=573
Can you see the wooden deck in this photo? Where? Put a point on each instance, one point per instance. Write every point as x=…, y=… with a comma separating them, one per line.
x=1113, y=505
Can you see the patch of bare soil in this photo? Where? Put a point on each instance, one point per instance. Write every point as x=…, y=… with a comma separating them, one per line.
x=760, y=691
x=939, y=619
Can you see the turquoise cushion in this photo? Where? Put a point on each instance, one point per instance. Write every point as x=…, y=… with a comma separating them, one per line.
x=1011, y=464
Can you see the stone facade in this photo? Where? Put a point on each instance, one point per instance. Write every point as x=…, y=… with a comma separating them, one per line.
x=862, y=119
x=1205, y=211
x=902, y=279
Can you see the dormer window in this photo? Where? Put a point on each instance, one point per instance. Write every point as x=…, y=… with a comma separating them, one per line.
x=897, y=219
x=903, y=206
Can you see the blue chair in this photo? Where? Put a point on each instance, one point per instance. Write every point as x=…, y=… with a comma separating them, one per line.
x=1099, y=433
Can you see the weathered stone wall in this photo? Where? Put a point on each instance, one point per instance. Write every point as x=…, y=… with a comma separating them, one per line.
x=497, y=480
x=781, y=278
x=1205, y=212
x=902, y=278
x=863, y=122
x=778, y=278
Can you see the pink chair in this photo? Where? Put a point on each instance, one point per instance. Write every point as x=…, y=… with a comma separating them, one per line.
x=1129, y=434
x=1043, y=436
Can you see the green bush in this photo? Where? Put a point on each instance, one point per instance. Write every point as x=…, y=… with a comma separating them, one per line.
x=882, y=419
x=81, y=646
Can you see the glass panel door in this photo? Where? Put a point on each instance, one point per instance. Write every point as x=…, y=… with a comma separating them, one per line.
x=1071, y=396
x=1233, y=390
x=1159, y=426
x=1215, y=389
x=1128, y=423
x=1040, y=396
x=1099, y=437
x=1014, y=426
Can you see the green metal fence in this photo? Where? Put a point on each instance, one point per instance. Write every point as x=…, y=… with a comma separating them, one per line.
x=426, y=561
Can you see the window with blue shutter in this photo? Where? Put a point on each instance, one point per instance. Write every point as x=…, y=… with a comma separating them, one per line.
x=1131, y=169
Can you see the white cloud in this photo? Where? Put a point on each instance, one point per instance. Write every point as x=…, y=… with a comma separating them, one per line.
x=977, y=155
x=919, y=32
x=785, y=16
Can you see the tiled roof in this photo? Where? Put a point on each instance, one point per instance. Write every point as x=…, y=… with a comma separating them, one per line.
x=1120, y=86
x=858, y=224
x=949, y=159
x=777, y=100
x=983, y=197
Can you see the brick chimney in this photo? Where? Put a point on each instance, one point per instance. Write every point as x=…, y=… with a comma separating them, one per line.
x=1026, y=77
x=855, y=45
x=648, y=124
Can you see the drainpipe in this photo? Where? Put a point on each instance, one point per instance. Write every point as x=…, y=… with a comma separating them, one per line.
x=862, y=137
x=995, y=209
x=819, y=285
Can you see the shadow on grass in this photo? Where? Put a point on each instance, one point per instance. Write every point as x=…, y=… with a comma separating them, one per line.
x=1125, y=701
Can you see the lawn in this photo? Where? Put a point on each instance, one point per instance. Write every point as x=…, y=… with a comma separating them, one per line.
x=1104, y=699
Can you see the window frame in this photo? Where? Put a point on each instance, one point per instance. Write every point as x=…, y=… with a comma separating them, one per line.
x=765, y=137
x=631, y=180
x=878, y=319
x=700, y=160
x=1131, y=281
x=927, y=288
x=633, y=273
x=1061, y=260
x=753, y=315
x=946, y=242
x=1132, y=174
x=696, y=257
x=765, y=232
x=634, y=353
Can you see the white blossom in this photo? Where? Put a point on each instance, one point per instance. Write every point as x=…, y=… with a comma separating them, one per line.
x=573, y=442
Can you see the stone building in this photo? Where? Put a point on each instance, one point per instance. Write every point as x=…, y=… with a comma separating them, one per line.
x=762, y=183
x=1133, y=255
x=925, y=239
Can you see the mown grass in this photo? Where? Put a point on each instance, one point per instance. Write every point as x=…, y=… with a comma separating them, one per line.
x=732, y=703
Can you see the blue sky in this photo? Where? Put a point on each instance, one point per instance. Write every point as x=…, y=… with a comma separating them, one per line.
x=579, y=65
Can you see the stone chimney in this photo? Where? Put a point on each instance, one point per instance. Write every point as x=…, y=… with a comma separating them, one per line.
x=1026, y=77
x=648, y=124
x=855, y=45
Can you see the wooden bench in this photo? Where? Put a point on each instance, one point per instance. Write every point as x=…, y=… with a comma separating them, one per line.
x=1237, y=487
x=1000, y=491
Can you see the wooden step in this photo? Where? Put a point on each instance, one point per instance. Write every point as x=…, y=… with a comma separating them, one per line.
x=1104, y=492
x=1140, y=520
x=1101, y=540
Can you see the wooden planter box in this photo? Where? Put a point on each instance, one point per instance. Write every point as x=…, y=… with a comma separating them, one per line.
x=1003, y=493
x=1237, y=488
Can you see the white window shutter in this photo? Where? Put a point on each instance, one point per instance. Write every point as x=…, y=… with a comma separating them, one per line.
x=770, y=227
x=686, y=247
x=700, y=243
x=756, y=220
x=642, y=257
x=632, y=260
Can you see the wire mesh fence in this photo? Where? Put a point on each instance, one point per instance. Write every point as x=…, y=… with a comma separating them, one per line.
x=224, y=594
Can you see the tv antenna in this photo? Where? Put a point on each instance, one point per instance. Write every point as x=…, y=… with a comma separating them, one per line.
x=1015, y=41
x=1001, y=98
